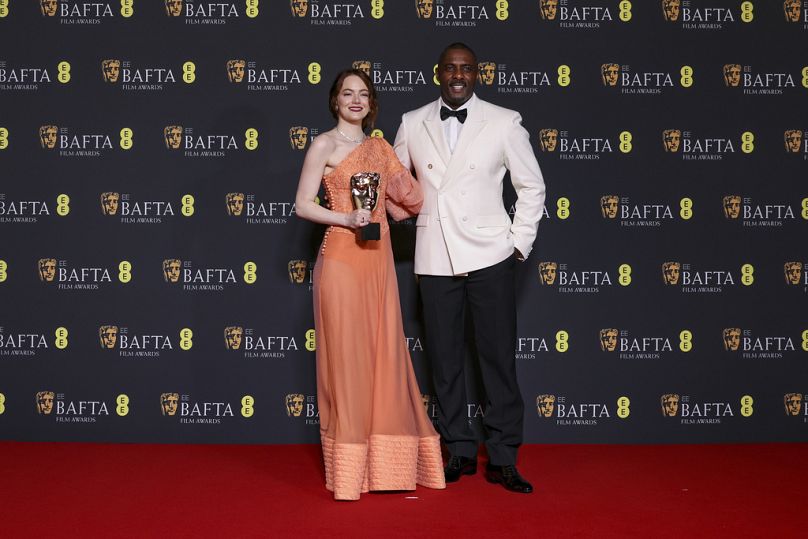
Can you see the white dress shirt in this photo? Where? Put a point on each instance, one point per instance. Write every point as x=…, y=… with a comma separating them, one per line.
x=452, y=126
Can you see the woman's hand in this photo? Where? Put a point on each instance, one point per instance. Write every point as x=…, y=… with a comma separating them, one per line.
x=358, y=219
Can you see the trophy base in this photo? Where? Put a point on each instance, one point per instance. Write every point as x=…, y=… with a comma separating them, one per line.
x=370, y=232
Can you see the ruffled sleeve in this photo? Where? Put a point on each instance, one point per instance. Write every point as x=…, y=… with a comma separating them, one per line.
x=404, y=196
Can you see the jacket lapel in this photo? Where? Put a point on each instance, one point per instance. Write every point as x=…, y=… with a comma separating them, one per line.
x=475, y=122
x=435, y=129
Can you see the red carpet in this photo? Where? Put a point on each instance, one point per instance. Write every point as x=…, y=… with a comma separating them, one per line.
x=106, y=490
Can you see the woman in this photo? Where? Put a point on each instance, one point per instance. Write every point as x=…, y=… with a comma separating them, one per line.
x=373, y=425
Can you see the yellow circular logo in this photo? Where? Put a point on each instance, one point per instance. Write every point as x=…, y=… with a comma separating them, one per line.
x=502, y=10
x=623, y=407
x=3, y=271
x=187, y=205
x=123, y=404
x=377, y=9
x=250, y=275
x=251, y=139
x=247, y=406
x=747, y=11
x=562, y=341
x=311, y=342
x=186, y=338
x=687, y=76
x=314, y=73
x=625, y=141
x=63, y=68
x=252, y=8
x=3, y=138
x=747, y=274
x=625, y=10
x=188, y=72
x=624, y=275
x=127, y=8
x=685, y=341
x=686, y=208
x=563, y=208
x=746, y=406
x=61, y=338
x=62, y=205
x=126, y=138
x=564, y=75
x=125, y=271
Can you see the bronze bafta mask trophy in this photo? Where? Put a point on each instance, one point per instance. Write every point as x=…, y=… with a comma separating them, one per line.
x=365, y=195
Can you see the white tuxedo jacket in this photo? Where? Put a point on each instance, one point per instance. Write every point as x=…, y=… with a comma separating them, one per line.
x=463, y=225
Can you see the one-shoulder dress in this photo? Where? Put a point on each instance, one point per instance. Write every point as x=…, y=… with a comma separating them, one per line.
x=374, y=428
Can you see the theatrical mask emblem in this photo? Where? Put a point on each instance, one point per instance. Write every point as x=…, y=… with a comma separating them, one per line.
x=793, y=140
x=173, y=136
x=48, y=7
x=671, y=138
x=486, y=72
x=608, y=339
x=294, y=404
x=299, y=7
x=110, y=69
x=608, y=206
x=44, y=402
x=670, y=10
x=47, y=269
x=171, y=270
x=732, y=74
x=169, y=402
x=362, y=65
x=732, y=206
x=235, y=203
x=545, y=405
x=548, y=139
x=297, y=271
x=609, y=73
x=298, y=136
x=548, y=8
x=793, y=272
x=547, y=272
x=670, y=272
x=793, y=403
x=365, y=190
x=791, y=9
x=670, y=404
x=424, y=8
x=108, y=336
x=732, y=339
x=173, y=8
x=235, y=70
x=109, y=203
x=232, y=337
x=47, y=136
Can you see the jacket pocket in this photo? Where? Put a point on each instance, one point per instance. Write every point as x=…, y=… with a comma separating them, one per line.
x=485, y=221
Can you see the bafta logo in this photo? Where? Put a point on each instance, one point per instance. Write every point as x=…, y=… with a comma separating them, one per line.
x=732, y=74
x=294, y=404
x=670, y=10
x=173, y=8
x=791, y=9
x=110, y=70
x=793, y=140
x=171, y=270
x=732, y=206
x=548, y=139
x=297, y=271
x=486, y=72
x=672, y=138
x=109, y=203
x=424, y=8
x=670, y=272
x=608, y=206
x=609, y=73
x=426, y=400
x=173, y=136
x=44, y=402
x=47, y=136
x=47, y=269
x=298, y=136
x=548, y=9
x=547, y=272
x=235, y=70
x=108, y=336
x=168, y=403
x=235, y=203
x=793, y=403
x=299, y=7
x=362, y=65
x=732, y=339
x=48, y=7
x=545, y=405
x=232, y=337
x=608, y=339
x=793, y=272
x=670, y=404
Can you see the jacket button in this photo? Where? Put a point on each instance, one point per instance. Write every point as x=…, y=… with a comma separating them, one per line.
x=471, y=166
x=429, y=166
x=465, y=218
x=462, y=192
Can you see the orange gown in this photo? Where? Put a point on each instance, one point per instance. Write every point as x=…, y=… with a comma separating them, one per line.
x=374, y=428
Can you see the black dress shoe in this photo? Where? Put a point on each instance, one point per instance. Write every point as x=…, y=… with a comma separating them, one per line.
x=458, y=466
x=508, y=477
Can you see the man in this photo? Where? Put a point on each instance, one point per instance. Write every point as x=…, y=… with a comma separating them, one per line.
x=466, y=246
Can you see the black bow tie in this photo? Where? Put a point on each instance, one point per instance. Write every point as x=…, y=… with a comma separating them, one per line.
x=461, y=114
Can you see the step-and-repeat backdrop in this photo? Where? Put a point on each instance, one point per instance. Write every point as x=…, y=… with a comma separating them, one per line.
x=155, y=281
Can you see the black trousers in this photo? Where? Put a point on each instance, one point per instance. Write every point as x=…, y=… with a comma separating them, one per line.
x=490, y=296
